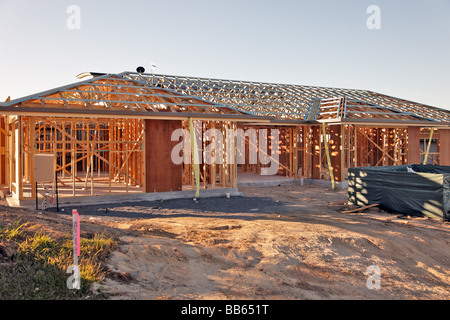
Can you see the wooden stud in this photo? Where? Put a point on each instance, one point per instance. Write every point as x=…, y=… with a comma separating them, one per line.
x=444, y=156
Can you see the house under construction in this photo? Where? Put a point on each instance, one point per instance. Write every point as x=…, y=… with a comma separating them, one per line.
x=112, y=134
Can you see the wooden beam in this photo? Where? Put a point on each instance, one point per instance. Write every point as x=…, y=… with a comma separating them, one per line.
x=307, y=152
x=413, y=151
x=316, y=152
x=361, y=208
x=161, y=173
x=355, y=146
x=335, y=147
x=35, y=109
x=444, y=156
x=32, y=142
x=18, y=158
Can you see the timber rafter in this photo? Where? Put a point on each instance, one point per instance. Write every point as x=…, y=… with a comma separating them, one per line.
x=113, y=93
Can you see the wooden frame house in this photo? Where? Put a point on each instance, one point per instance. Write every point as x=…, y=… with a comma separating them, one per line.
x=113, y=133
x=363, y=128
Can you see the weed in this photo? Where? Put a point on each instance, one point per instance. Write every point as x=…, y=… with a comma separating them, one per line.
x=12, y=231
x=38, y=269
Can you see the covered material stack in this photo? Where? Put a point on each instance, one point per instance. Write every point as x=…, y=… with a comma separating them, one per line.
x=418, y=190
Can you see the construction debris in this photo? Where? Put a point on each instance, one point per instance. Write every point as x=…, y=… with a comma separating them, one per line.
x=361, y=208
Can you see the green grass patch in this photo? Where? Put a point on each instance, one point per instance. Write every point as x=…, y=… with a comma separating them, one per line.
x=38, y=268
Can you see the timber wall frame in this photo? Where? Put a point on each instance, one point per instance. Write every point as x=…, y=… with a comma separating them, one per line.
x=302, y=149
x=94, y=156
x=88, y=151
x=107, y=152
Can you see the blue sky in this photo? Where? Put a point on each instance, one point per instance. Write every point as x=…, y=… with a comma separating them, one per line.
x=323, y=43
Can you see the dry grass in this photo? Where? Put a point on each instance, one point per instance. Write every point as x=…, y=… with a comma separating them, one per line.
x=37, y=269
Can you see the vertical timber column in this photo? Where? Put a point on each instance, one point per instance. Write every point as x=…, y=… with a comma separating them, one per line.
x=444, y=154
x=413, y=153
x=19, y=158
x=32, y=145
x=306, y=152
x=11, y=152
x=335, y=145
x=282, y=151
x=355, y=146
x=296, y=134
x=380, y=142
x=235, y=156
x=3, y=153
x=161, y=174
x=316, y=150
x=390, y=146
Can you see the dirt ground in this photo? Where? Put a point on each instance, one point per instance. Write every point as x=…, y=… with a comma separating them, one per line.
x=286, y=242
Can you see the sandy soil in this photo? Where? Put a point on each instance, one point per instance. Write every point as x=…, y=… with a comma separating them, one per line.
x=288, y=242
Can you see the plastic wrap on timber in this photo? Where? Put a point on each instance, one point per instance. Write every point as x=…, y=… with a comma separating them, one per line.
x=417, y=190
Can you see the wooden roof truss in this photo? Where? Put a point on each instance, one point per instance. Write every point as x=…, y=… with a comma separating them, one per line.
x=112, y=93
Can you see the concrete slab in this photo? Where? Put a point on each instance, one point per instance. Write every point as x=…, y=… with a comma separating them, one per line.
x=245, y=179
x=248, y=179
x=134, y=197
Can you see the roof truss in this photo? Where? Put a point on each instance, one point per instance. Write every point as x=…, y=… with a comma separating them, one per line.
x=345, y=108
x=148, y=95
x=286, y=101
x=112, y=93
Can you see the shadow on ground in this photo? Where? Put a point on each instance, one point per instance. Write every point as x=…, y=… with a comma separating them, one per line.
x=234, y=207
